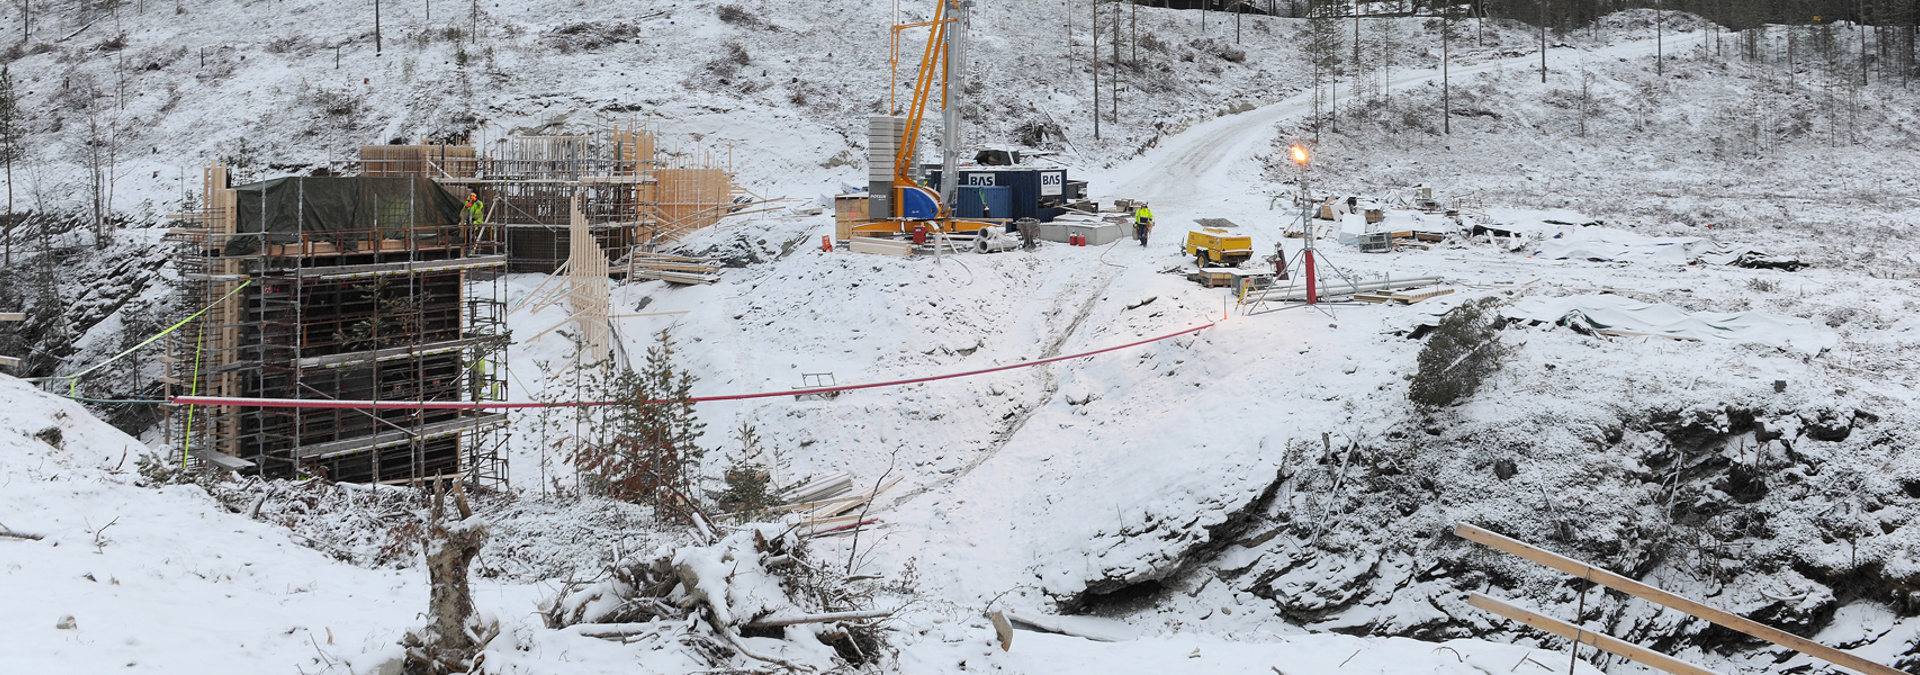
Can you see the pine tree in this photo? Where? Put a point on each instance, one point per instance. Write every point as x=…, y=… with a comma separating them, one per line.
x=651, y=453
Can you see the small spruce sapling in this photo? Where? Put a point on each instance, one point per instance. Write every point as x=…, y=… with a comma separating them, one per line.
x=749, y=490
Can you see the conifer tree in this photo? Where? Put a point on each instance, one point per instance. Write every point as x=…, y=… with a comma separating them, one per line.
x=651, y=452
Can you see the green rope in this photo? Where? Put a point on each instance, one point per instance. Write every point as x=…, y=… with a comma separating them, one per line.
x=193, y=389
x=74, y=379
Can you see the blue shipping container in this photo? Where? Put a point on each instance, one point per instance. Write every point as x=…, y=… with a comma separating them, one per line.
x=984, y=202
x=1034, y=192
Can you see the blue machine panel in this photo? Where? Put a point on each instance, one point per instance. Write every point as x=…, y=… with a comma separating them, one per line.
x=919, y=203
x=984, y=202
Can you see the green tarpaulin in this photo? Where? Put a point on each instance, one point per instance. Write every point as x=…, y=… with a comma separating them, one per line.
x=352, y=213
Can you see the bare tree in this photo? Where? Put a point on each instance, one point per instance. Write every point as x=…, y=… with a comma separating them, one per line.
x=1586, y=98
x=1659, y=40
x=100, y=150
x=1094, y=63
x=1323, y=51
x=9, y=148
x=1387, y=34
x=1446, y=61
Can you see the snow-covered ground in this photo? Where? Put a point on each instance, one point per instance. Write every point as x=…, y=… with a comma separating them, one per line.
x=1237, y=496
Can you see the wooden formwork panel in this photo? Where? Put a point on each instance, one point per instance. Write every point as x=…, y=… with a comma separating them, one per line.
x=432, y=161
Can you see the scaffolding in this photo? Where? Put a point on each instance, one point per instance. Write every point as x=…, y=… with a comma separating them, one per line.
x=635, y=195
x=372, y=287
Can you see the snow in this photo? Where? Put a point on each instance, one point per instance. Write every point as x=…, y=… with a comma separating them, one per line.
x=1235, y=497
x=155, y=579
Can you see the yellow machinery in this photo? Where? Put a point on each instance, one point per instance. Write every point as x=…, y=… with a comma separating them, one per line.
x=1211, y=247
x=914, y=206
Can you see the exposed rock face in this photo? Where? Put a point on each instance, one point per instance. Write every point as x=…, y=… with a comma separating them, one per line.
x=1780, y=513
x=1139, y=557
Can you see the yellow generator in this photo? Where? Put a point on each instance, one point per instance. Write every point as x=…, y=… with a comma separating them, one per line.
x=1211, y=247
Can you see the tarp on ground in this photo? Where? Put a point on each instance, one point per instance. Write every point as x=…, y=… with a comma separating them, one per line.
x=1606, y=243
x=1581, y=242
x=345, y=211
x=1612, y=312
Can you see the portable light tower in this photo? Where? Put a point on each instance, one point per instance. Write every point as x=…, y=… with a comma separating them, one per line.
x=1300, y=157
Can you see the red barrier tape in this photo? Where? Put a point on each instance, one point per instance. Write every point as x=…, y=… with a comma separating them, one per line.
x=468, y=405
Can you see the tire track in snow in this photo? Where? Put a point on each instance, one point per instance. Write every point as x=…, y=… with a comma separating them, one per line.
x=1048, y=387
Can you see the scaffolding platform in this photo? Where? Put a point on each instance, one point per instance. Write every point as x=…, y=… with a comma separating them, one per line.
x=374, y=287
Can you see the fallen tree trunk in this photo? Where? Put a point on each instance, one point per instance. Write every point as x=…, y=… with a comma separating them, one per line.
x=776, y=622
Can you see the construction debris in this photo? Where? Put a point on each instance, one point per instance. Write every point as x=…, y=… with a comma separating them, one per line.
x=1402, y=297
x=822, y=511
x=757, y=578
x=832, y=484
x=675, y=269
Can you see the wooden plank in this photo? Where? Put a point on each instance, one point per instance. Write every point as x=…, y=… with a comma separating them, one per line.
x=1410, y=297
x=404, y=267
x=1589, y=638
x=9, y=362
x=352, y=445
x=1724, y=618
x=13, y=316
x=220, y=459
x=1373, y=297
x=675, y=277
x=388, y=354
x=879, y=246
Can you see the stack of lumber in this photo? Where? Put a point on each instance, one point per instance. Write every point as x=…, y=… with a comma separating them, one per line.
x=677, y=269
x=1406, y=297
x=828, y=505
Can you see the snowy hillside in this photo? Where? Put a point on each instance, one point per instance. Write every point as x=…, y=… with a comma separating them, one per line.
x=1258, y=494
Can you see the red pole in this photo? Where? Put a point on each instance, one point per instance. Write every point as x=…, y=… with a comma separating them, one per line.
x=1313, y=297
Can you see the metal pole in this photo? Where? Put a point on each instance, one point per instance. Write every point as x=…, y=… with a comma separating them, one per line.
x=1306, y=233
x=950, y=111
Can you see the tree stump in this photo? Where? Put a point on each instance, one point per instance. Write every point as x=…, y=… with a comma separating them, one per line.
x=454, y=636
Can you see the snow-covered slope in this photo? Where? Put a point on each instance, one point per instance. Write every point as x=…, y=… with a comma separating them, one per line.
x=1265, y=477
x=141, y=579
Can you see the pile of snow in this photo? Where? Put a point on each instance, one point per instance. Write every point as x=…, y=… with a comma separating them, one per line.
x=136, y=578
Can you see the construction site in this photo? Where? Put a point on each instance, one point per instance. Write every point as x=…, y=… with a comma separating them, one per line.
x=387, y=286
x=1086, y=337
